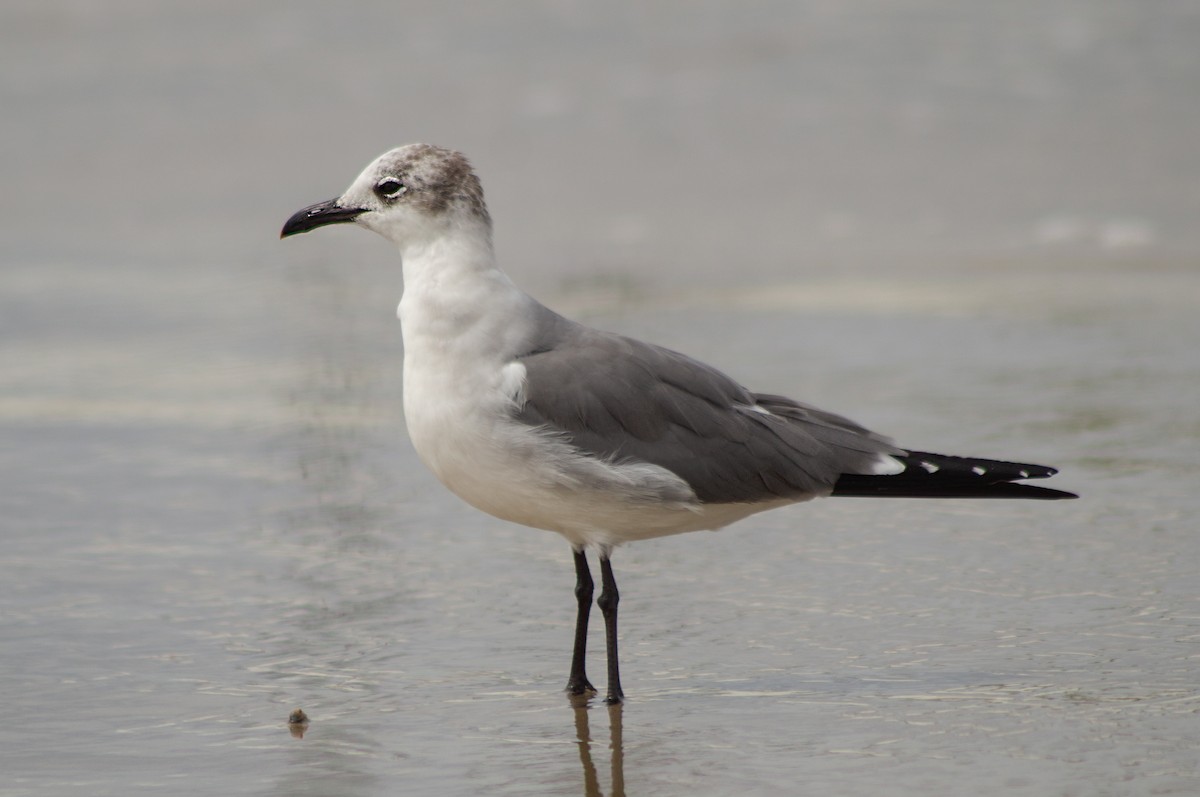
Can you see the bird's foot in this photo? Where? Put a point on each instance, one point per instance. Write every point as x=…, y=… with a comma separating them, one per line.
x=580, y=687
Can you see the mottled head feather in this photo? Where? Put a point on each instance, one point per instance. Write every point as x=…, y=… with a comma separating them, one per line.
x=437, y=179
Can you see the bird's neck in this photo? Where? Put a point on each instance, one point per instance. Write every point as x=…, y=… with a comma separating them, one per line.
x=457, y=302
x=447, y=255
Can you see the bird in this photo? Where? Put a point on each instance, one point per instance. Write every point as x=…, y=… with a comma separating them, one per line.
x=542, y=421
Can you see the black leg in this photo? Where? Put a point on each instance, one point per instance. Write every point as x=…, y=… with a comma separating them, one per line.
x=578, y=683
x=609, y=598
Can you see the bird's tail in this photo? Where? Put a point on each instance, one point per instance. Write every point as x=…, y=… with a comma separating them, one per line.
x=938, y=476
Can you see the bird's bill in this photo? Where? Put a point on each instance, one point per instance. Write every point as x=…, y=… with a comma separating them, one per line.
x=318, y=215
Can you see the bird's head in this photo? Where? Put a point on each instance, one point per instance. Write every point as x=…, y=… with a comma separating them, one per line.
x=410, y=195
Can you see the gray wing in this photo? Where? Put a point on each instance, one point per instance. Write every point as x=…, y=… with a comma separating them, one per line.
x=624, y=400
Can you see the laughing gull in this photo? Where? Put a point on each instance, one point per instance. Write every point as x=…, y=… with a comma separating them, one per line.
x=539, y=420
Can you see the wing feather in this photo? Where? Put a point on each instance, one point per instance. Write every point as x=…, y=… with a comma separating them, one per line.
x=623, y=400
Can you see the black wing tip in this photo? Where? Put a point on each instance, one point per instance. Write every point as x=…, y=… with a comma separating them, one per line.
x=995, y=469
x=939, y=476
x=1059, y=494
x=877, y=487
x=1018, y=490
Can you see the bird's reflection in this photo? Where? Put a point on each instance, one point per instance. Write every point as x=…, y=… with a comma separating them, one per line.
x=591, y=783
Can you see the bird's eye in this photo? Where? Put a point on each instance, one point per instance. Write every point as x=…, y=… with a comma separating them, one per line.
x=390, y=188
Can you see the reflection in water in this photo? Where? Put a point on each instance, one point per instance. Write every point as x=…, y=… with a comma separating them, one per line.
x=591, y=783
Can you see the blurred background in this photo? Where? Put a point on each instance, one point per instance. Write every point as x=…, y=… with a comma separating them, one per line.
x=971, y=226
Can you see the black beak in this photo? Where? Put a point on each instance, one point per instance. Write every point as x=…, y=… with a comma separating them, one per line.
x=318, y=215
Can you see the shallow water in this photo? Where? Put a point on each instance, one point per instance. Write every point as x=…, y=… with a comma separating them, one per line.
x=212, y=516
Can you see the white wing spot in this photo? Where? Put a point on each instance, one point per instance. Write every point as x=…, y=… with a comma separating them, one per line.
x=887, y=466
x=978, y=471
x=1024, y=474
x=512, y=382
x=929, y=466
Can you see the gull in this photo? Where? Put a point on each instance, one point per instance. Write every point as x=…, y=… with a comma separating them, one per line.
x=542, y=421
